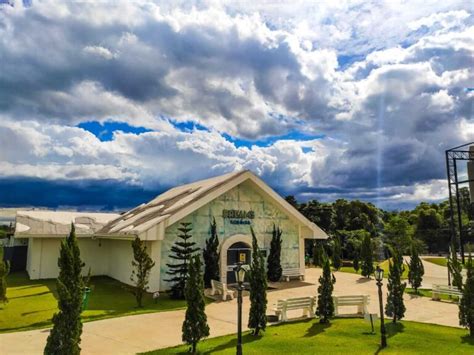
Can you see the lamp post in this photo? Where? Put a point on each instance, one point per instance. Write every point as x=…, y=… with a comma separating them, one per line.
x=239, y=276
x=379, y=277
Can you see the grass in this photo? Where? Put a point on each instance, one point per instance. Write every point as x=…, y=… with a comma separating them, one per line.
x=437, y=261
x=383, y=265
x=427, y=293
x=342, y=336
x=32, y=303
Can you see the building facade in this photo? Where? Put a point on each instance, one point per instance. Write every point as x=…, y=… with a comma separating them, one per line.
x=236, y=201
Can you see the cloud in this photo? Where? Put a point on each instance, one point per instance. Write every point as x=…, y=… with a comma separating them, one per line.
x=383, y=85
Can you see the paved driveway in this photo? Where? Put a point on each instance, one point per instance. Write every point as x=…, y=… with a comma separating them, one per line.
x=132, y=334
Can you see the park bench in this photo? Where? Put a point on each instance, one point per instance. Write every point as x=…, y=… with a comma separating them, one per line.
x=361, y=301
x=292, y=273
x=220, y=288
x=305, y=303
x=437, y=290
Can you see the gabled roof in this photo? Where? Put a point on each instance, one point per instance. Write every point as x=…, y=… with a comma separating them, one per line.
x=58, y=223
x=176, y=203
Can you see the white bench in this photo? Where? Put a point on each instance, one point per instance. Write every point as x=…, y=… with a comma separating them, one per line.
x=361, y=301
x=220, y=288
x=292, y=273
x=305, y=303
x=437, y=290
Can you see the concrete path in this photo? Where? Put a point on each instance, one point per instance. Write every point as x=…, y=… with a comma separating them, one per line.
x=434, y=274
x=132, y=334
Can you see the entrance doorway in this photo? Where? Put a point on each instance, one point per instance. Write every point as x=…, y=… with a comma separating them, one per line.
x=237, y=252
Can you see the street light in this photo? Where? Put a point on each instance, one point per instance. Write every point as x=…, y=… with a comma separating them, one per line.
x=240, y=277
x=379, y=277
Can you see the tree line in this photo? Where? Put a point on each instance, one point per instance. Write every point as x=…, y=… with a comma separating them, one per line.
x=347, y=222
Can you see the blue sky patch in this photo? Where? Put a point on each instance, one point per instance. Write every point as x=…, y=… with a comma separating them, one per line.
x=265, y=142
x=105, y=131
x=188, y=126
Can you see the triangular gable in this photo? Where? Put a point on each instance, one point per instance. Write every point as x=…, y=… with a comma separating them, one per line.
x=175, y=204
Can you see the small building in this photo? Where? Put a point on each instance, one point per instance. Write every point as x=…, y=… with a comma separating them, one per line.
x=236, y=201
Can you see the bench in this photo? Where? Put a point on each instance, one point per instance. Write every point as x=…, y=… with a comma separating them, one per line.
x=307, y=304
x=437, y=290
x=220, y=288
x=361, y=301
x=292, y=273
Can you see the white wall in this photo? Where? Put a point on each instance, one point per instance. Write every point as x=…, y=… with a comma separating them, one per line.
x=105, y=257
x=120, y=256
x=43, y=254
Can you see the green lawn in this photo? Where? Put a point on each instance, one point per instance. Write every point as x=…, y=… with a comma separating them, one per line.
x=438, y=261
x=342, y=336
x=383, y=265
x=33, y=303
x=427, y=293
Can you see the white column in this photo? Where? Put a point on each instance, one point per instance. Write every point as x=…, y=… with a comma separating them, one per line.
x=301, y=250
x=155, y=274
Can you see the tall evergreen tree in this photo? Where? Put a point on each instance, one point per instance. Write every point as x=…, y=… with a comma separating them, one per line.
x=4, y=270
x=416, y=269
x=325, y=309
x=65, y=336
x=142, y=264
x=356, y=261
x=367, y=256
x=455, y=267
x=211, y=256
x=274, y=269
x=258, y=289
x=395, y=307
x=195, y=325
x=182, y=251
x=466, y=305
x=336, y=254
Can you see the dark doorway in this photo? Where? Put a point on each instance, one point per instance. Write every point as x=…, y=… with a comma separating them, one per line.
x=237, y=252
x=16, y=256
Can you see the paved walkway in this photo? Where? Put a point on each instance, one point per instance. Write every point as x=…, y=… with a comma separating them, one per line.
x=132, y=334
x=434, y=274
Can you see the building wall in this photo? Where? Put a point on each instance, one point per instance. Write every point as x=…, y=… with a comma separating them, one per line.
x=243, y=197
x=43, y=254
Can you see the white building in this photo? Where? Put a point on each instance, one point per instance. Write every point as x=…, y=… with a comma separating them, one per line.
x=235, y=200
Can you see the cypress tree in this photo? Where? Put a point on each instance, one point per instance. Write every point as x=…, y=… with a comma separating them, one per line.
x=4, y=270
x=466, y=305
x=274, y=269
x=455, y=267
x=143, y=265
x=195, y=325
x=356, y=261
x=325, y=310
x=395, y=307
x=211, y=256
x=182, y=251
x=367, y=256
x=336, y=255
x=416, y=269
x=65, y=336
x=258, y=289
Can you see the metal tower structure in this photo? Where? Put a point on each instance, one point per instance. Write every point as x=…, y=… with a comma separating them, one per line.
x=453, y=155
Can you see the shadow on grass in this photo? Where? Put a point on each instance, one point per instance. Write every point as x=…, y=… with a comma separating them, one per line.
x=231, y=344
x=392, y=329
x=39, y=311
x=316, y=328
x=32, y=295
x=467, y=339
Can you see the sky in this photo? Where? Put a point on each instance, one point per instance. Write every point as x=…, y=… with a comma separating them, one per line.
x=105, y=104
